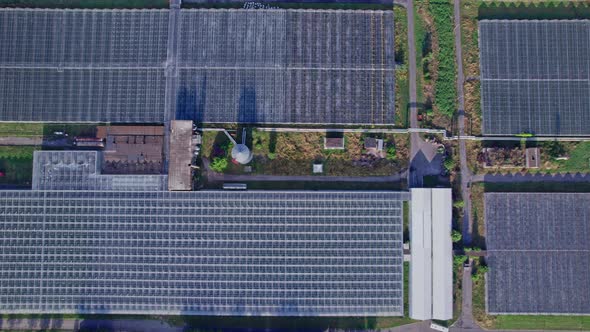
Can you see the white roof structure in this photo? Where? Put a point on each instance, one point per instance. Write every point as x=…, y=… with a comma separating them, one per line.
x=431, y=274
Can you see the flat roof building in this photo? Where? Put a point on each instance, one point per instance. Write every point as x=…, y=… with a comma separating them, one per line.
x=431, y=262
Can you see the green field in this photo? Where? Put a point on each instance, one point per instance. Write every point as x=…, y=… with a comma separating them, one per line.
x=21, y=129
x=402, y=87
x=9, y=129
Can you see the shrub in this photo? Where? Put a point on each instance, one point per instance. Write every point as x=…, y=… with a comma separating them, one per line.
x=219, y=164
x=456, y=236
x=272, y=155
x=459, y=204
x=450, y=164
x=391, y=153
x=460, y=259
x=554, y=149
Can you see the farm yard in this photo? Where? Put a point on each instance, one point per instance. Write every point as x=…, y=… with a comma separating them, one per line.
x=288, y=153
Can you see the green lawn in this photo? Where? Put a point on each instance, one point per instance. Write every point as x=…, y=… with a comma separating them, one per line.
x=542, y=322
x=21, y=129
x=579, y=159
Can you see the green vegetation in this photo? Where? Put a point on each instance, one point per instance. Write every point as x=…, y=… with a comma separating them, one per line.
x=470, y=46
x=294, y=153
x=391, y=153
x=213, y=323
x=16, y=162
x=402, y=86
x=450, y=164
x=542, y=322
x=21, y=129
x=445, y=94
x=16, y=152
x=423, y=57
x=579, y=160
x=219, y=164
x=459, y=260
x=85, y=3
x=459, y=204
x=72, y=129
x=456, y=236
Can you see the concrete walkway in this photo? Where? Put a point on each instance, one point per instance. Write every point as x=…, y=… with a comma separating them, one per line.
x=466, y=320
x=465, y=172
x=21, y=140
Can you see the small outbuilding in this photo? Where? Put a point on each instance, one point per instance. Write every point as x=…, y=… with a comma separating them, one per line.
x=334, y=143
x=318, y=168
x=374, y=144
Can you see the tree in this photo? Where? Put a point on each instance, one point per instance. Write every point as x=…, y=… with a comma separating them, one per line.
x=459, y=259
x=554, y=149
x=459, y=204
x=450, y=164
x=456, y=236
x=219, y=164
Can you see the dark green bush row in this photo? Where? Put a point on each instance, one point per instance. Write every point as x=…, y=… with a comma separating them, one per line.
x=445, y=88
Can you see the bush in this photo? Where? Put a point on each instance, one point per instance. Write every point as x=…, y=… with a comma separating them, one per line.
x=391, y=153
x=456, y=236
x=219, y=164
x=272, y=155
x=458, y=260
x=450, y=164
x=554, y=149
x=459, y=204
